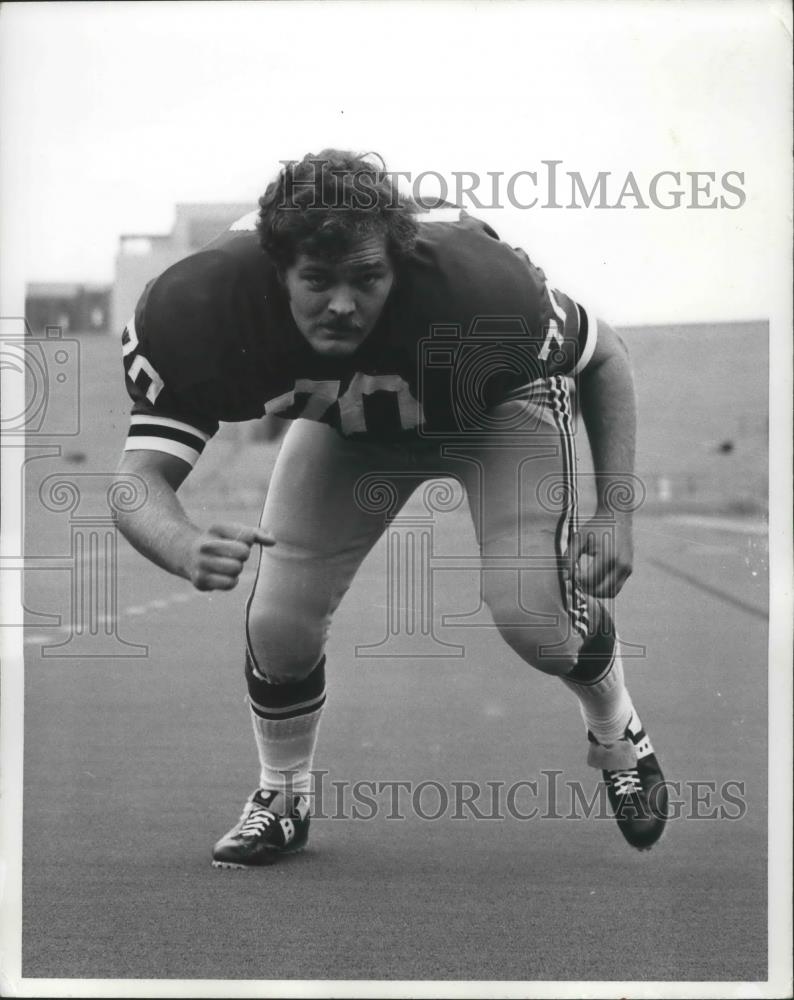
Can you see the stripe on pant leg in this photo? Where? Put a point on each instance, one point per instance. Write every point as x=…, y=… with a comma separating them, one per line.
x=573, y=598
x=249, y=649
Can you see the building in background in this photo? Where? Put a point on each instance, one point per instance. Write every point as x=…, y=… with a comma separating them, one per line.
x=72, y=307
x=142, y=256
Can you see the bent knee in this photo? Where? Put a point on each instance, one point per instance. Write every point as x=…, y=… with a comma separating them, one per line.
x=533, y=624
x=550, y=650
x=284, y=648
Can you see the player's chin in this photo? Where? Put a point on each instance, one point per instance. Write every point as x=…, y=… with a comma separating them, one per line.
x=332, y=347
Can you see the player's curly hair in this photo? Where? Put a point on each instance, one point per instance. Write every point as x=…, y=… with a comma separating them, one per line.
x=324, y=203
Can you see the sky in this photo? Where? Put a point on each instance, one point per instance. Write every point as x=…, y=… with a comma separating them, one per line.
x=112, y=113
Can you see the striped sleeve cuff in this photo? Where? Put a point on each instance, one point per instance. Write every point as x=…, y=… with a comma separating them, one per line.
x=149, y=433
x=588, y=338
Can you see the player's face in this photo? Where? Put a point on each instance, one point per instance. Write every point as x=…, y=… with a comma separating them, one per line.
x=336, y=303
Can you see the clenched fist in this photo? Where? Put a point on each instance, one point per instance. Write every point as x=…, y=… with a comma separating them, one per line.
x=607, y=539
x=217, y=556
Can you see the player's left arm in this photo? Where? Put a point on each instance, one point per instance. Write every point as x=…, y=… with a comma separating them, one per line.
x=608, y=407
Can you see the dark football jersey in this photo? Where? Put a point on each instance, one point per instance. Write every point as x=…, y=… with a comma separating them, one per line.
x=470, y=322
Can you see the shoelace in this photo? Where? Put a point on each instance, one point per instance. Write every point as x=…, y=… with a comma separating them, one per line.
x=257, y=821
x=626, y=782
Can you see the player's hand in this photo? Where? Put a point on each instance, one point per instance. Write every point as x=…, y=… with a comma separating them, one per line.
x=217, y=556
x=607, y=540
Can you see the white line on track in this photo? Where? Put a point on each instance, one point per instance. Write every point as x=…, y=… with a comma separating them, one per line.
x=36, y=637
x=734, y=525
x=133, y=611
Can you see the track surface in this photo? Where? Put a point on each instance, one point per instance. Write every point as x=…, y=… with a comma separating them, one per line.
x=135, y=766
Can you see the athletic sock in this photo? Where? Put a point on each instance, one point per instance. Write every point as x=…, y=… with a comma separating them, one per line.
x=286, y=719
x=597, y=681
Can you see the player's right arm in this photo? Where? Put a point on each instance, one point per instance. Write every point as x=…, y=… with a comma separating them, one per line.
x=172, y=350
x=161, y=530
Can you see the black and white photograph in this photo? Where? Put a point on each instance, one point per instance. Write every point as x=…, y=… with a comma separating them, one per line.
x=397, y=484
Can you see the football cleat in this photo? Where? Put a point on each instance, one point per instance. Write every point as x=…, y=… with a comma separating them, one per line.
x=266, y=829
x=635, y=784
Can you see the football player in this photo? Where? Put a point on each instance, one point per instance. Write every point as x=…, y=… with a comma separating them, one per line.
x=405, y=346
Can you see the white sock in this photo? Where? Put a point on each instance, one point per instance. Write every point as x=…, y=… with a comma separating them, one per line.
x=286, y=751
x=605, y=703
x=286, y=719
